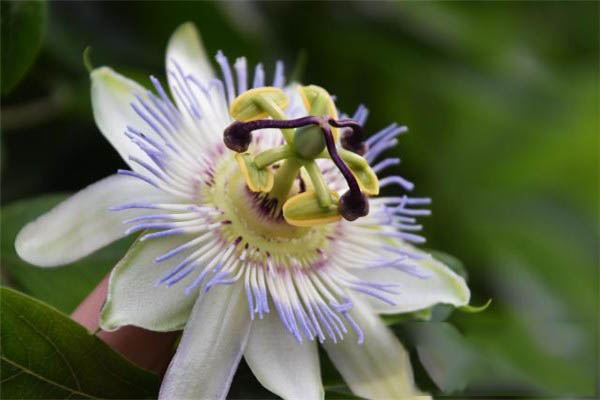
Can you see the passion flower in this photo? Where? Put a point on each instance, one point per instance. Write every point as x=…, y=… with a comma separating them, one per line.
x=260, y=230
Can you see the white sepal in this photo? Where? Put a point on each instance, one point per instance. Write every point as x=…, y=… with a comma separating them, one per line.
x=439, y=284
x=379, y=368
x=135, y=299
x=281, y=364
x=112, y=95
x=211, y=347
x=83, y=223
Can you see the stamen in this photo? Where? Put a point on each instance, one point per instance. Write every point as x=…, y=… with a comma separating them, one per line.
x=353, y=203
x=259, y=76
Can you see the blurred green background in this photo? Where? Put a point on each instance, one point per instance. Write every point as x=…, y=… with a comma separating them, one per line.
x=502, y=103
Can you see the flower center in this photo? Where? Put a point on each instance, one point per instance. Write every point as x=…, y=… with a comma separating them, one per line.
x=255, y=225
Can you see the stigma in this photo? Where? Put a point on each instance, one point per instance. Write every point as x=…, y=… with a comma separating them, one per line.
x=272, y=172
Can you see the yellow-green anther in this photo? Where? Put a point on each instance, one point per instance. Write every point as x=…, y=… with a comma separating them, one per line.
x=352, y=159
x=366, y=177
x=316, y=177
x=304, y=210
x=270, y=156
x=259, y=103
x=257, y=179
x=274, y=111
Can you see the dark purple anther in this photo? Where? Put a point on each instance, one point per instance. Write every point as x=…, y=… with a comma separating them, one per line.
x=237, y=137
x=351, y=139
x=353, y=205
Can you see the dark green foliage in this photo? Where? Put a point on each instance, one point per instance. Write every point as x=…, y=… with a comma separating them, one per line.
x=45, y=355
x=23, y=24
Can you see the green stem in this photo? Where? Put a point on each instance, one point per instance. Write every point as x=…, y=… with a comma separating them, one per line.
x=284, y=179
x=319, y=184
x=275, y=112
x=270, y=156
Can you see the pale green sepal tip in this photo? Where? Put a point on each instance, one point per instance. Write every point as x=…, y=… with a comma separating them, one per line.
x=475, y=309
x=188, y=34
x=110, y=79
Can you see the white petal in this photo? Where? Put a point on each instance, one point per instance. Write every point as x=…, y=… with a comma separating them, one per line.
x=112, y=95
x=83, y=223
x=185, y=48
x=132, y=296
x=379, y=368
x=287, y=368
x=211, y=346
x=441, y=286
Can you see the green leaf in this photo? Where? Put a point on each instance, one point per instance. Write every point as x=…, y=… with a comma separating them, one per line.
x=421, y=315
x=23, y=25
x=448, y=358
x=45, y=355
x=341, y=395
x=62, y=287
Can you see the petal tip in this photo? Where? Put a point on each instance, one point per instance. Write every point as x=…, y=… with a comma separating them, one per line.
x=30, y=247
x=24, y=245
